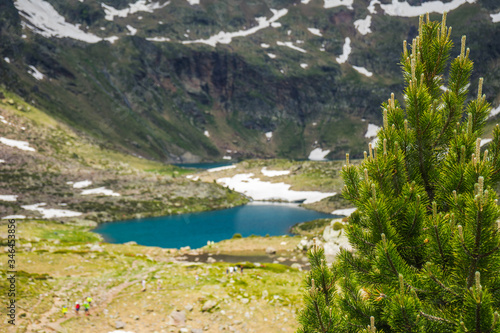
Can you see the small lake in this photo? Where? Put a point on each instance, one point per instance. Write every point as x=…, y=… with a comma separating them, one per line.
x=196, y=229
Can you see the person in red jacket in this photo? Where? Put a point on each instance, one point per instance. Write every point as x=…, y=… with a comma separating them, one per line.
x=77, y=307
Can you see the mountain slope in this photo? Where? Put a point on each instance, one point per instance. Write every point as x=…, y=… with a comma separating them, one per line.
x=48, y=171
x=202, y=80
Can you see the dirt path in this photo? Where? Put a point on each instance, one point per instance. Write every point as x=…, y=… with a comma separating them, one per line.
x=103, y=302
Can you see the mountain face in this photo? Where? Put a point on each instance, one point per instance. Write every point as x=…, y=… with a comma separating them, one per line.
x=186, y=81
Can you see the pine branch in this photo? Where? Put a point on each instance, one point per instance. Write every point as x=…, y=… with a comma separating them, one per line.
x=440, y=247
x=434, y=318
x=435, y=279
x=318, y=314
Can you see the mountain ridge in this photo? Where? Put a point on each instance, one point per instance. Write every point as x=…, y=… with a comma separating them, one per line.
x=177, y=101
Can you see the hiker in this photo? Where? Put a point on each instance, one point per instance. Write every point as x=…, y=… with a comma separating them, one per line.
x=241, y=269
x=77, y=307
x=227, y=271
x=143, y=285
x=89, y=300
x=64, y=310
x=86, y=307
x=231, y=269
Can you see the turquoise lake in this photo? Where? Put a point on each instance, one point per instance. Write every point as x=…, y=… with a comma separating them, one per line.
x=196, y=229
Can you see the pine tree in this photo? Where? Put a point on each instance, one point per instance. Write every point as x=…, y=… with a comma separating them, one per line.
x=425, y=233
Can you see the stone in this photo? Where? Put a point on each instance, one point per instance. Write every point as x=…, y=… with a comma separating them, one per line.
x=184, y=330
x=130, y=243
x=185, y=248
x=245, y=300
x=208, y=305
x=211, y=260
x=189, y=307
x=96, y=248
x=281, y=259
x=297, y=266
x=265, y=294
x=177, y=318
x=196, y=330
x=270, y=250
x=119, y=324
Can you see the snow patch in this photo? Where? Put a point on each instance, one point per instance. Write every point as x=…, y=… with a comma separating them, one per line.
x=35, y=73
x=290, y=45
x=304, y=66
x=485, y=141
x=363, y=26
x=139, y=6
x=261, y=190
x=271, y=55
x=6, y=197
x=51, y=212
x=345, y=211
x=305, y=2
x=227, y=157
x=158, y=39
x=346, y=51
x=132, y=30
x=315, y=31
x=7, y=60
x=338, y=3
x=17, y=144
x=81, y=184
x=43, y=19
x=495, y=18
x=274, y=173
x=264, y=45
x=318, y=154
x=494, y=112
x=372, y=131
x=112, y=39
x=404, y=9
x=206, y=134
x=226, y=37
x=8, y=217
x=100, y=190
x=371, y=6
x=269, y=135
x=275, y=24
x=193, y=2
x=222, y=168
x=2, y=161
x=363, y=71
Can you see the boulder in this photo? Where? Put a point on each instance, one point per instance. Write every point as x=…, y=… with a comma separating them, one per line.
x=329, y=234
x=245, y=300
x=119, y=324
x=270, y=250
x=189, y=307
x=196, y=330
x=211, y=260
x=297, y=266
x=209, y=305
x=178, y=318
x=96, y=248
x=130, y=243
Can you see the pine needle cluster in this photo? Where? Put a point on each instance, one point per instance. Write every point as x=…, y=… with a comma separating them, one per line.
x=425, y=234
